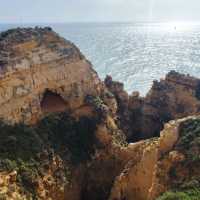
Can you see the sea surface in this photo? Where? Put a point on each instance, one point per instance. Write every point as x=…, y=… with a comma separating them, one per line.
x=134, y=53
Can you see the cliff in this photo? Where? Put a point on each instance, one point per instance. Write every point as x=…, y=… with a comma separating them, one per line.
x=168, y=163
x=176, y=96
x=38, y=68
x=57, y=120
x=64, y=133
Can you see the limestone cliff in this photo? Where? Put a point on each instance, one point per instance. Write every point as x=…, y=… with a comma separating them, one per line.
x=170, y=162
x=174, y=97
x=38, y=68
x=58, y=128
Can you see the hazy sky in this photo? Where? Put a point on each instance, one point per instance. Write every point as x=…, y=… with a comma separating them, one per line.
x=98, y=10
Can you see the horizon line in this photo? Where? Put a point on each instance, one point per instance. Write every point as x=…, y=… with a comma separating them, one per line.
x=85, y=22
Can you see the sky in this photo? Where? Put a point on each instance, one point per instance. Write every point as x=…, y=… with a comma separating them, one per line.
x=34, y=11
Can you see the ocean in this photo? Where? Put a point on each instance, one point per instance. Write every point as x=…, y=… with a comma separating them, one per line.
x=134, y=53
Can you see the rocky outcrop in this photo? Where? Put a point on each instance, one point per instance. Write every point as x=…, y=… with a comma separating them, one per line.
x=162, y=164
x=37, y=63
x=122, y=99
x=50, y=185
x=174, y=97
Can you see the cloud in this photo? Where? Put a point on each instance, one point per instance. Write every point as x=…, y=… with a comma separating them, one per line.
x=98, y=10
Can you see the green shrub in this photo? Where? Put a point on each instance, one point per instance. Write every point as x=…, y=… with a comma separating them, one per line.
x=97, y=104
x=192, y=194
x=21, y=145
x=190, y=140
x=65, y=134
x=174, y=196
x=18, y=141
x=187, y=188
x=7, y=165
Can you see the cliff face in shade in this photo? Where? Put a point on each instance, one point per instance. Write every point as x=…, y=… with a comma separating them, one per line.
x=35, y=61
x=174, y=97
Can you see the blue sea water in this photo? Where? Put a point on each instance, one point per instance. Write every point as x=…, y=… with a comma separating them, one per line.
x=135, y=53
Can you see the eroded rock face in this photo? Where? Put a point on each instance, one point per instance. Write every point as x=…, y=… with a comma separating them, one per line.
x=34, y=61
x=161, y=164
x=174, y=97
x=122, y=99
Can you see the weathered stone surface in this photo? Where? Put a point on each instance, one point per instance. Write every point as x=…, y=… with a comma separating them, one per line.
x=174, y=97
x=160, y=164
x=122, y=99
x=49, y=186
x=36, y=60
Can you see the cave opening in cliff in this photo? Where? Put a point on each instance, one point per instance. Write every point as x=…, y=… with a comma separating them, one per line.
x=52, y=103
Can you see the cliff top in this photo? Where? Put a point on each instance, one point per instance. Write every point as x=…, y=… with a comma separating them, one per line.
x=20, y=44
x=19, y=35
